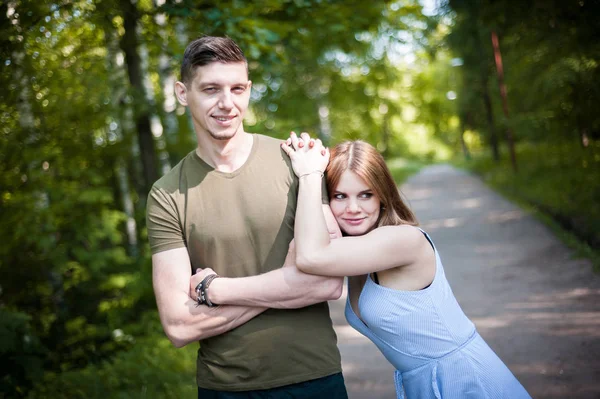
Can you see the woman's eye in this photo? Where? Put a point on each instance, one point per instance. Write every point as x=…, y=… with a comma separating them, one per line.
x=367, y=195
x=338, y=196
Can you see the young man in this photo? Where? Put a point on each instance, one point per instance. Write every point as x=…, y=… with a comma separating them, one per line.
x=229, y=206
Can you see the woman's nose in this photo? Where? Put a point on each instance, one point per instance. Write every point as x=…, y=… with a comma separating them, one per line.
x=352, y=207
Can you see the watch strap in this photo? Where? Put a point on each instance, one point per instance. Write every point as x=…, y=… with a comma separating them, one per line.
x=202, y=290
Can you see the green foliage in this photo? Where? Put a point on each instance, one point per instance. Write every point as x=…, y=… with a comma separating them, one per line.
x=61, y=224
x=152, y=368
x=21, y=354
x=74, y=263
x=551, y=66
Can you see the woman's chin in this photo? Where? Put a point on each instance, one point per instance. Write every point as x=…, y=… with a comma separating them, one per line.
x=354, y=230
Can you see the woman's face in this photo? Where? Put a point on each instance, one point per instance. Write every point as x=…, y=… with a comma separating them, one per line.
x=354, y=205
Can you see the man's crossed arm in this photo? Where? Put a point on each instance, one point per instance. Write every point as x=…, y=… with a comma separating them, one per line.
x=240, y=299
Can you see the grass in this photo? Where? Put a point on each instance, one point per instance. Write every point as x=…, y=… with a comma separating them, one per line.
x=559, y=183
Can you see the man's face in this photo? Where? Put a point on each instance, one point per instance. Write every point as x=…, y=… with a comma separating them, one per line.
x=217, y=97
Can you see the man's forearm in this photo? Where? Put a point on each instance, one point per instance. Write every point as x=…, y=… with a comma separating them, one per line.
x=201, y=322
x=285, y=288
x=182, y=320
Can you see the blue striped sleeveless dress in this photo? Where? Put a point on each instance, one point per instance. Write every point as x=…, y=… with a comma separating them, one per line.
x=434, y=347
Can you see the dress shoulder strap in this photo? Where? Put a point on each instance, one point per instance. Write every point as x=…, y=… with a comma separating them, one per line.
x=428, y=238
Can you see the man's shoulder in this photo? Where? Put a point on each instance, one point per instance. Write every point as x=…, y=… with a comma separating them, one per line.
x=170, y=181
x=268, y=141
x=270, y=148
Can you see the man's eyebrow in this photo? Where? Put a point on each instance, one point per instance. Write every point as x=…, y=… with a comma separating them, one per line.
x=204, y=84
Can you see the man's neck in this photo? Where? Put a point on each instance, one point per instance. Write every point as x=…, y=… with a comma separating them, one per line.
x=226, y=155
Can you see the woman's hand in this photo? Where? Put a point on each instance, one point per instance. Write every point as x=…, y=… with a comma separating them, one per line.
x=307, y=155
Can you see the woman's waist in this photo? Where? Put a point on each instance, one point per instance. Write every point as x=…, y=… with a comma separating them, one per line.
x=408, y=357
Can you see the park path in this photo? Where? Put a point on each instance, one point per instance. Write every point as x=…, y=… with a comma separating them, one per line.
x=535, y=304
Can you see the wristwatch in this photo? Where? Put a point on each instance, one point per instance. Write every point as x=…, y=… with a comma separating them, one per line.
x=202, y=291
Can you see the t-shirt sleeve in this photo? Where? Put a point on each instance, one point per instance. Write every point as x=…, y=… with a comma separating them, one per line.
x=162, y=220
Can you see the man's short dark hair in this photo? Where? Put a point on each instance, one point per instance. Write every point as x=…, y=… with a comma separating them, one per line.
x=206, y=50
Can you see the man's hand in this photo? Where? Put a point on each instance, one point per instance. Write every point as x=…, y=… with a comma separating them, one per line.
x=197, y=278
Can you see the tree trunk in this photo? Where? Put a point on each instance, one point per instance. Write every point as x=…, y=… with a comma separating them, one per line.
x=489, y=113
x=129, y=45
x=500, y=71
x=156, y=125
x=485, y=94
x=463, y=144
x=123, y=191
x=167, y=79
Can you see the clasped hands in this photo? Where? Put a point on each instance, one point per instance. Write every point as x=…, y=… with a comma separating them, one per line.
x=307, y=155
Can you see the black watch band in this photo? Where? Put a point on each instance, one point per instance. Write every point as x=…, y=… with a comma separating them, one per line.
x=202, y=291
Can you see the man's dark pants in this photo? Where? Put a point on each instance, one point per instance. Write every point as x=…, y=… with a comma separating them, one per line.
x=330, y=387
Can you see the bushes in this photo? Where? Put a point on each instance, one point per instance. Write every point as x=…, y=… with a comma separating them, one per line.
x=21, y=354
x=151, y=369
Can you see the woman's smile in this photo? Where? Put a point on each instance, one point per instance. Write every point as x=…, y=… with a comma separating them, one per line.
x=354, y=205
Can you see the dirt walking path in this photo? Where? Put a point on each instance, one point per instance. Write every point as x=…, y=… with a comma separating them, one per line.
x=535, y=305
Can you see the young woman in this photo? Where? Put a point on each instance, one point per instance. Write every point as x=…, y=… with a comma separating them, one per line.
x=398, y=295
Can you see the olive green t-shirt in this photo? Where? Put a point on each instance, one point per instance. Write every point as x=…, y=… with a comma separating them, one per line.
x=240, y=224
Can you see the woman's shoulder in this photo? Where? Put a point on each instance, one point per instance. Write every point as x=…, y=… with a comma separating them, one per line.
x=403, y=237
x=403, y=230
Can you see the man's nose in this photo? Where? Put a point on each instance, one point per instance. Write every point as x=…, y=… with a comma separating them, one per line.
x=225, y=100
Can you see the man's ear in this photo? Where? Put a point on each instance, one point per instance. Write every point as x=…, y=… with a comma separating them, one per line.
x=181, y=93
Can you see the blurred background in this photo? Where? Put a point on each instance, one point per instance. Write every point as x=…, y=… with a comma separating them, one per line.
x=508, y=89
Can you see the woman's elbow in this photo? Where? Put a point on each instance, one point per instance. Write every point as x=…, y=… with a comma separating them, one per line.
x=307, y=264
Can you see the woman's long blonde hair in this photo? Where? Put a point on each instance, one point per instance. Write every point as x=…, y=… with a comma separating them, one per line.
x=364, y=160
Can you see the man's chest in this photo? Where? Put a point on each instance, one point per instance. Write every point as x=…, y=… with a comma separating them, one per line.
x=242, y=224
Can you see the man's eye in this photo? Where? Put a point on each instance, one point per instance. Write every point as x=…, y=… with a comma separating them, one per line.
x=210, y=89
x=239, y=90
